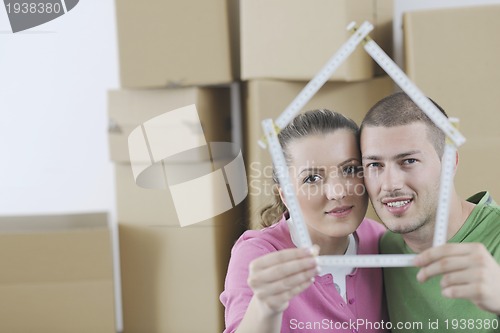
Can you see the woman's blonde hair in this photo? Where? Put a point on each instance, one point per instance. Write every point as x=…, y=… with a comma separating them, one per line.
x=314, y=122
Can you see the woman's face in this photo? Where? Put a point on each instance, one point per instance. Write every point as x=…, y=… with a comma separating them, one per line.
x=326, y=174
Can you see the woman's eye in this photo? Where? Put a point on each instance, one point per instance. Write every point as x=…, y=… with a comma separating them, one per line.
x=312, y=179
x=351, y=170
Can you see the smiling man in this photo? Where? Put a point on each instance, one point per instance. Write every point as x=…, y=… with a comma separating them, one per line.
x=455, y=286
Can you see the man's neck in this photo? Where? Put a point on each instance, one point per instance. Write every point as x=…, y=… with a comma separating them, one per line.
x=421, y=239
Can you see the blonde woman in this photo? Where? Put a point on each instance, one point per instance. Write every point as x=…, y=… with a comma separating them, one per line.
x=273, y=286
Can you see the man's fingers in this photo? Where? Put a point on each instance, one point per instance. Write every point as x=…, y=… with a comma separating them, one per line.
x=473, y=292
x=458, y=278
x=443, y=266
x=451, y=249
x=449, y=258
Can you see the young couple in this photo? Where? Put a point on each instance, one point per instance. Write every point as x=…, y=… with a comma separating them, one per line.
x=273, y=286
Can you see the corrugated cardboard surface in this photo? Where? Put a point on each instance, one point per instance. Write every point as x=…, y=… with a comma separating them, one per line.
x=453, y=55
x=482, y=154
x=56, y=279
x=128, y=109
x=151, y=207
x=293, y=39
x=172, y=277
x=173, y=42
x=383, y=34
x=268, y=99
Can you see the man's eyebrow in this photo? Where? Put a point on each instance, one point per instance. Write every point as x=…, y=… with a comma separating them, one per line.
x=371, y=158
x=406, y=154
x=396, y=157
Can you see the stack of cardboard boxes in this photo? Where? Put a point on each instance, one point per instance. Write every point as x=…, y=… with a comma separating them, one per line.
x=176, y=53
x=458, y=65
x=283, y=45
x=172, y=54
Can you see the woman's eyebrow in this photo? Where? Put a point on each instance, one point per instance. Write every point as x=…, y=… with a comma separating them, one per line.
x=312, y=169
x=349, y=161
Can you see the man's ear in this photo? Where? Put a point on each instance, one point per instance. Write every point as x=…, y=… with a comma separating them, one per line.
x=456, y=163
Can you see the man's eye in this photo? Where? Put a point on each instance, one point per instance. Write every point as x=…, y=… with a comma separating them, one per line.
x=410, y=161
x=312, y=179
x=373, y=165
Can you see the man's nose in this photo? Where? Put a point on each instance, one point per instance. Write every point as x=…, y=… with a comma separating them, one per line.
x=392, y=179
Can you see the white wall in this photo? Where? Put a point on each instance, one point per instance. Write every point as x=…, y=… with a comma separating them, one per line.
x=53, y=124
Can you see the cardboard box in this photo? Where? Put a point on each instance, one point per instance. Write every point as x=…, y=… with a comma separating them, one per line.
x=383, y=34
x=173, y=43
x=268, y=99
x=234, y=35
x=128, y=109
x=172, y=277
x=293, y=39
x=157, y=207
x=468, y=180
x=403, y=6
x=57, y=274
x=458, y=65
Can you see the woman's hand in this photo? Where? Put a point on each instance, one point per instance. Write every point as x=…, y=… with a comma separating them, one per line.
x=279, y=276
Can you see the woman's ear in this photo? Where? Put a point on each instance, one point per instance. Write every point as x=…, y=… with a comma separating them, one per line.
x=282, y=195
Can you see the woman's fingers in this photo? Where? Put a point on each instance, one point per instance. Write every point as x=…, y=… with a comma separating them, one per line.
x=285, y=285
x=272, y=259
x=280, y=301
x=279, y=276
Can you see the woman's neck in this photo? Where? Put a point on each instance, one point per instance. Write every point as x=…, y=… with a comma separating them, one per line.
x=332, y=245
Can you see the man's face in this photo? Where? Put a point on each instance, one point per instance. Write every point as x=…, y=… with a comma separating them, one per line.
x=402, y=175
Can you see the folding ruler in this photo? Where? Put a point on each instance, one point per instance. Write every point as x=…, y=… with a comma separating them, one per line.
x=454, y=140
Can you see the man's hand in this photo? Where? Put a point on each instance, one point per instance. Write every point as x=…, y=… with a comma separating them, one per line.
x=469, y=271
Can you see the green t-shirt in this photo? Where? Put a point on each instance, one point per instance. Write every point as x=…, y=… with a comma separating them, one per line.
x=420, y=306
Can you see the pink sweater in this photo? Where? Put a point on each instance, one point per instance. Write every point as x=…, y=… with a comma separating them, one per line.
x=320, y=308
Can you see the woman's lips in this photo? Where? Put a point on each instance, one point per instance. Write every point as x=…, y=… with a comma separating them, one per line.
x=341, y=211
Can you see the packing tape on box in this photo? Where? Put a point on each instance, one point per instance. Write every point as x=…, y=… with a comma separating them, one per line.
x=454, y=139
x=170, y=151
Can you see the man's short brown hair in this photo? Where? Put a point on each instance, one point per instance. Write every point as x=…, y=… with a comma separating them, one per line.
x=398, y=110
